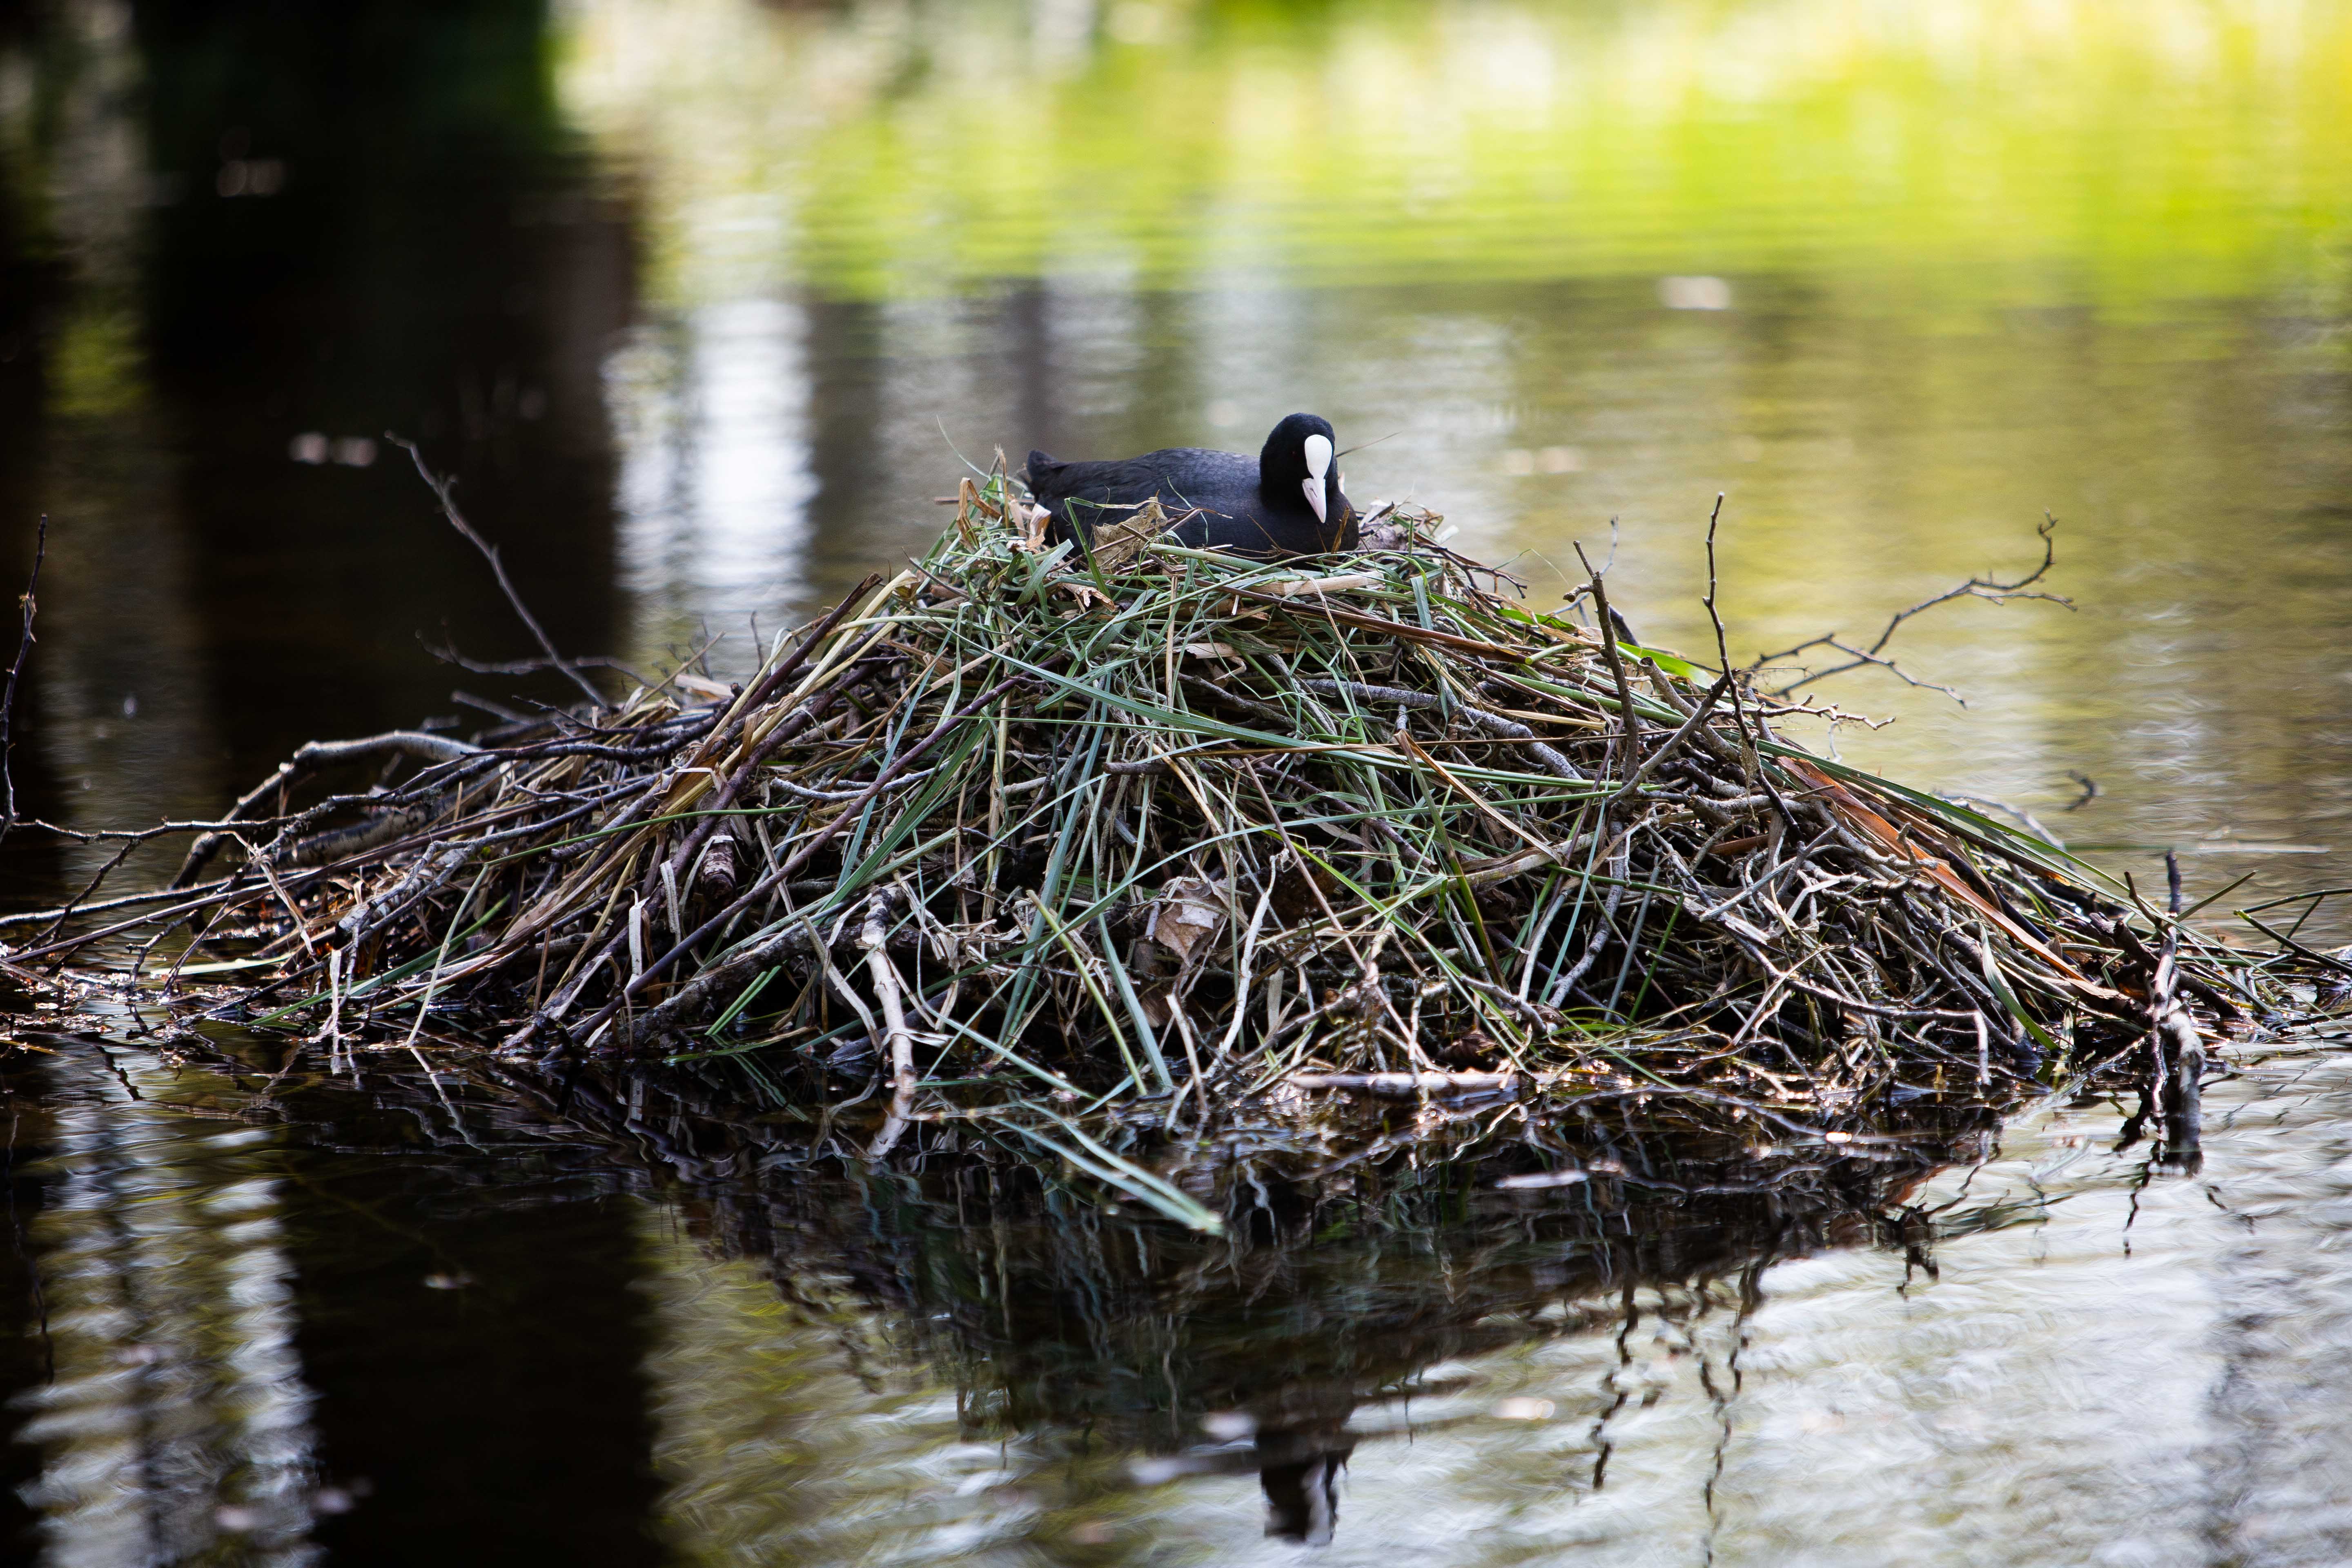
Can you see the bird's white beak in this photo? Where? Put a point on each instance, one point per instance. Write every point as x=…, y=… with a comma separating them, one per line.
x=1318, y=463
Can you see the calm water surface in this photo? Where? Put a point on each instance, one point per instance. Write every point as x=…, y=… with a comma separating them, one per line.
x=705, y=299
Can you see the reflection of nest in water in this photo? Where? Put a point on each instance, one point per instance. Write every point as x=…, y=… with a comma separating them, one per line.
x=1349, y=1273
x=1024, y=829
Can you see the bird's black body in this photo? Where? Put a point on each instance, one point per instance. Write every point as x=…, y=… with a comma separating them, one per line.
x=1243, y=506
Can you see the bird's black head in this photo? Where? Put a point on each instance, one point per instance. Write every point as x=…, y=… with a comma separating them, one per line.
x=1300, y=463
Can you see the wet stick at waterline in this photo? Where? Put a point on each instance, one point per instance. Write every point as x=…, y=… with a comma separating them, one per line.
x=1027, y=833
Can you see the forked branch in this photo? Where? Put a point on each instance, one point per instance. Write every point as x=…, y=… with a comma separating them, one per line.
x=441, y=492
x=1991, y=590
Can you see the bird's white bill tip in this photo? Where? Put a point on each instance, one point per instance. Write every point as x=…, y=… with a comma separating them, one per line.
x=1318, y=463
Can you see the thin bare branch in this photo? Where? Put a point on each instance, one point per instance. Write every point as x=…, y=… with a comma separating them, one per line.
x=442, y=491
x=15, y=671
x=1990, y=590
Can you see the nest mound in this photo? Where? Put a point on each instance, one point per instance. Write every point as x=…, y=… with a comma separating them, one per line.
x=1031, y=821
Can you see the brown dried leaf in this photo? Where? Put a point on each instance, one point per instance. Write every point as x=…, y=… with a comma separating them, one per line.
x=1116, y=543
x=1187, y=914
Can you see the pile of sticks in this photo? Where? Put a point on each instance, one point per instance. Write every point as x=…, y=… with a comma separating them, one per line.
x=1035, y=824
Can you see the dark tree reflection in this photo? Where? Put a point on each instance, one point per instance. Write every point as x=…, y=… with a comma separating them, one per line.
x=369, y=218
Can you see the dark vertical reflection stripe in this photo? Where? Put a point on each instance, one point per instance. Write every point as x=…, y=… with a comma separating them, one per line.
x=850, y=360
x=29, y=285
x=502, y=1420
x=429, y=260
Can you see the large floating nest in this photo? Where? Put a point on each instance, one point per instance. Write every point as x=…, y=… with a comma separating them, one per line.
x=1052, y=826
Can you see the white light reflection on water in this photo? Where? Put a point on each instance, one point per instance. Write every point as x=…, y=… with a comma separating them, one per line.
x=712, y=421
x=178, y=1423
x=2098, y=1370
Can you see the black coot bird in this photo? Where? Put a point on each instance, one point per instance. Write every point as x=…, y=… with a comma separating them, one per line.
x=1285, y=502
